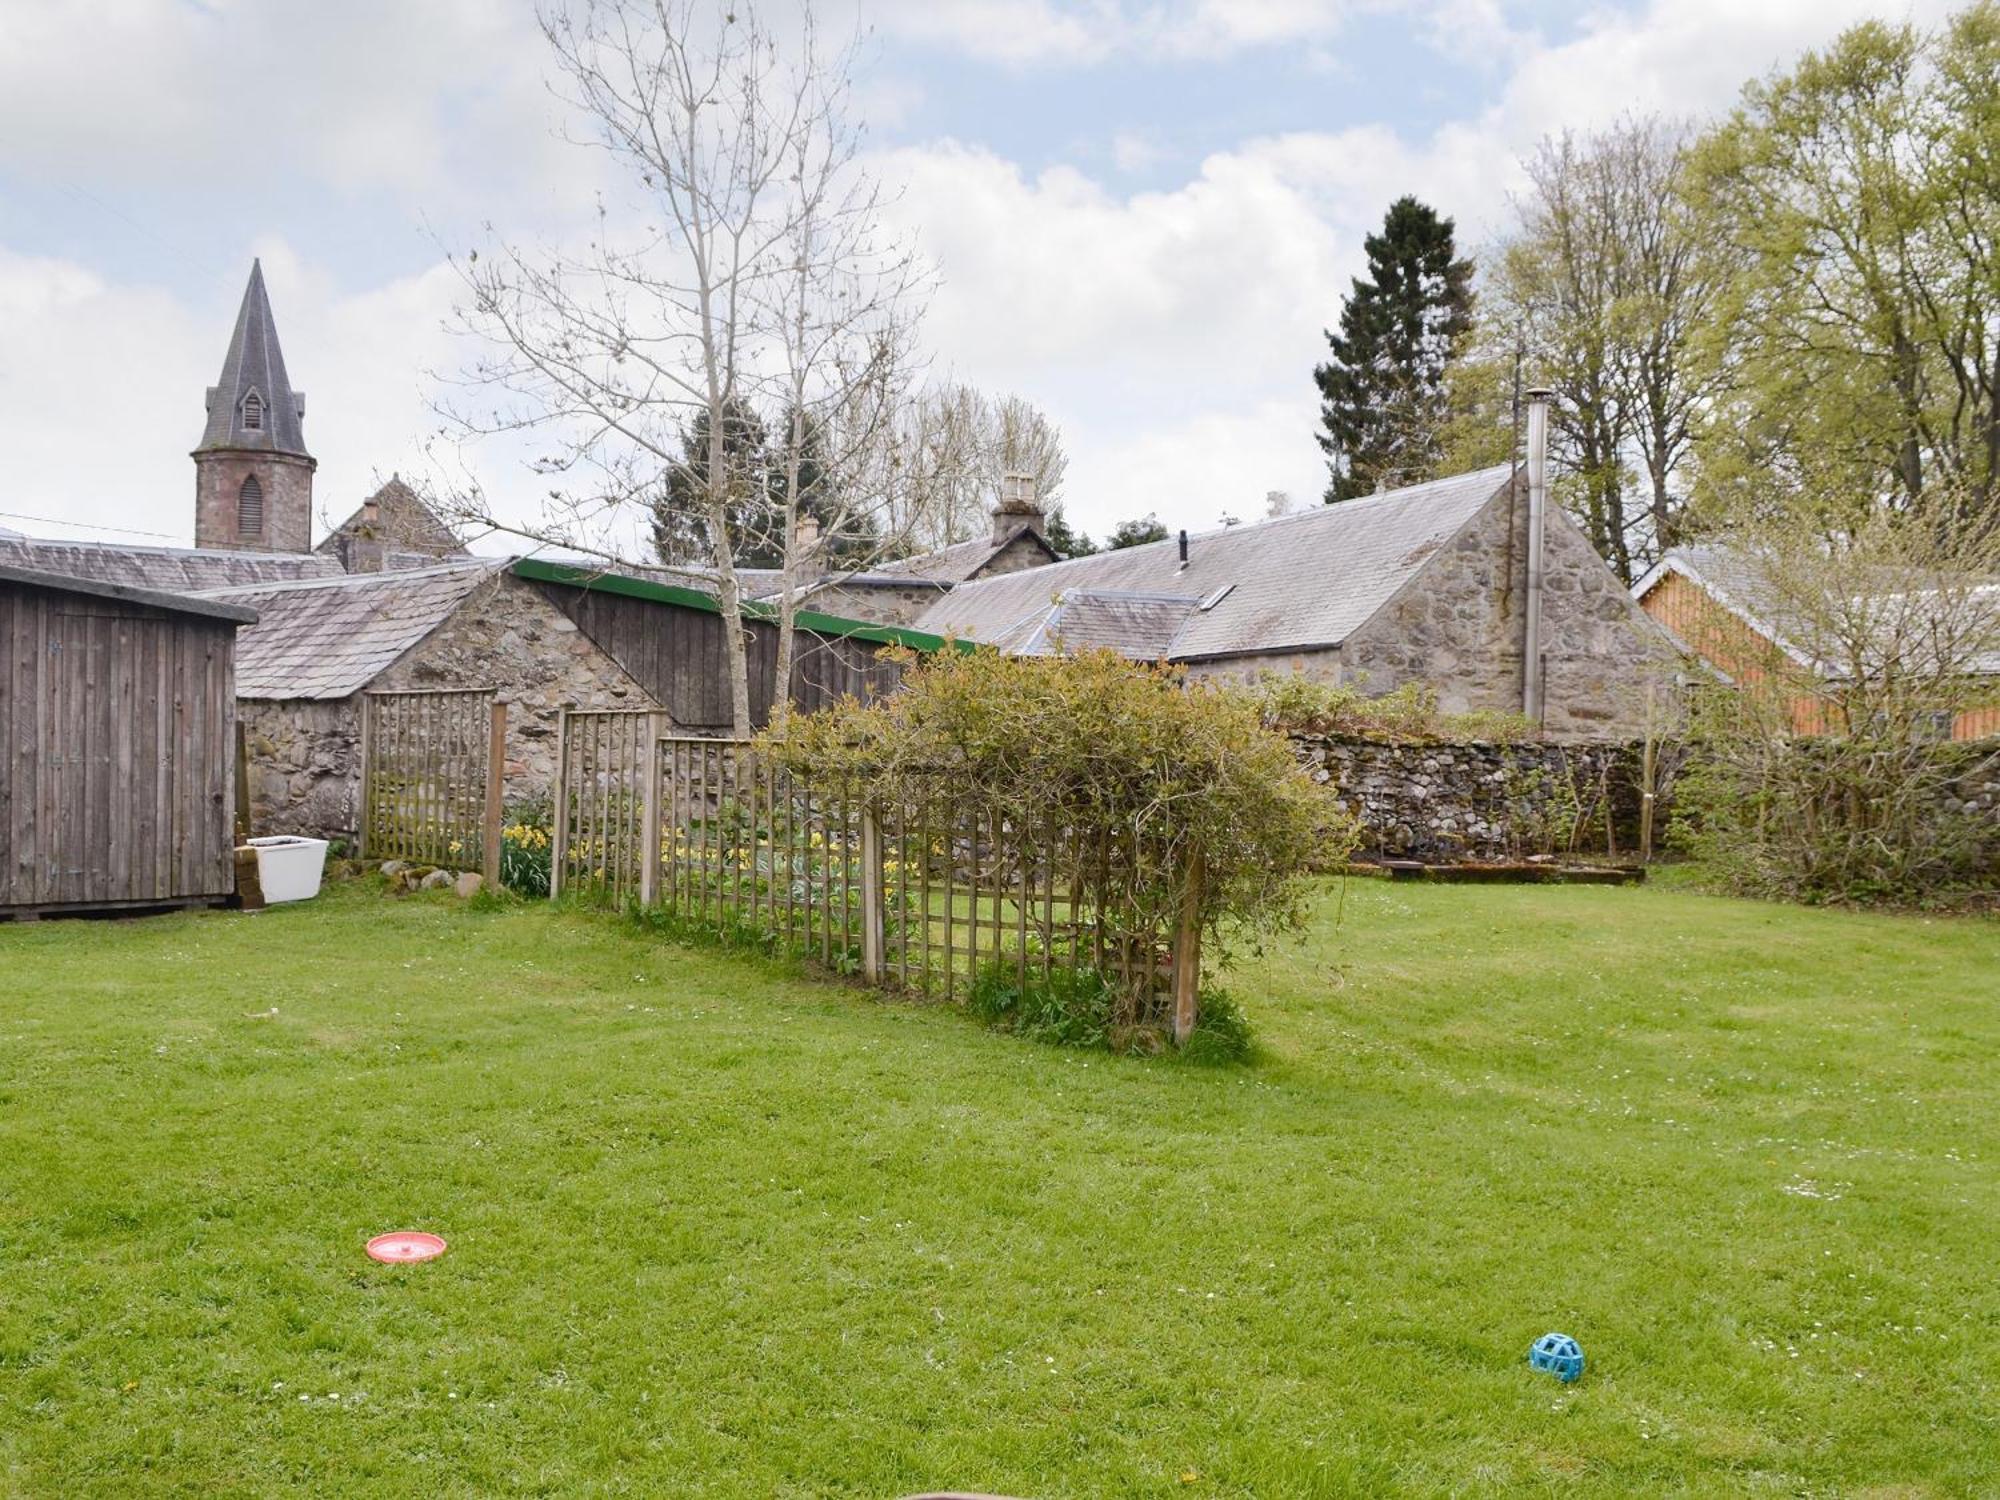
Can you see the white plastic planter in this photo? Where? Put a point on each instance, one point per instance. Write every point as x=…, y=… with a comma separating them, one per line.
x=289, y=868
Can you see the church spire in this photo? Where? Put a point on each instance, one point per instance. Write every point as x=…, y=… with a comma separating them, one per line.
x=253, y=476
x=253, y=406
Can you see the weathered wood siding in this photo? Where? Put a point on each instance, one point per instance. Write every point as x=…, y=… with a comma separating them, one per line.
x=1720, y=637
x=678, y=655
x=118, y=725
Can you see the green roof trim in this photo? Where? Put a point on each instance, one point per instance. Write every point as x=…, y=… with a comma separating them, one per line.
x=604, y=582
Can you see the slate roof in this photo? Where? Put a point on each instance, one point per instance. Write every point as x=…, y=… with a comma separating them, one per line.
x=1139, y=626
x=327, y=638
x=255, y=363
x=1298, y=581
x=953, y=564
x=170, y=569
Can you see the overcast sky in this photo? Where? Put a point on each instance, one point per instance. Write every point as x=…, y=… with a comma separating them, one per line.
x=1143, y=215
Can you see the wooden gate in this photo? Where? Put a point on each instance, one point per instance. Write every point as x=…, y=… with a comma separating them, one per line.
x=432, y=765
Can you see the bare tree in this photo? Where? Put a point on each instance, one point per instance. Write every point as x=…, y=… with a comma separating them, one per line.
x=1602, y=284
x=745, y=266
x=953, y=446
x=1821, y=769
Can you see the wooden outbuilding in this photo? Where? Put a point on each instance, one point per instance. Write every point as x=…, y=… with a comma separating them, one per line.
x=117, y=745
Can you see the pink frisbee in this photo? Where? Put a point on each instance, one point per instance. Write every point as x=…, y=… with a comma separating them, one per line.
x=405, y=1245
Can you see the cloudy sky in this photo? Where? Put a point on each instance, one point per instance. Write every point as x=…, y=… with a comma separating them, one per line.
x=1142, y=214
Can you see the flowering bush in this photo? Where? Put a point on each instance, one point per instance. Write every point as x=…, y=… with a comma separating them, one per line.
x=525, y=845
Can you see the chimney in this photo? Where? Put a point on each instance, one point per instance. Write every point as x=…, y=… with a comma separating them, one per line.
x=362, y=549
x=1183, y=565
x=1018, y=506
x=1532, y=684
x=806, y=561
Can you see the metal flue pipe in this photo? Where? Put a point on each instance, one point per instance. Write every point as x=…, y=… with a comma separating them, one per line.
x=1538, y=503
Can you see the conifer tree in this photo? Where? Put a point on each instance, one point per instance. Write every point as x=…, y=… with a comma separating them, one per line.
x=1383, y=406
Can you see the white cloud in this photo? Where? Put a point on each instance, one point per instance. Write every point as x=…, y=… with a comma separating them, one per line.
x=1171, y=333
x=1676, y=57
x=413, y=96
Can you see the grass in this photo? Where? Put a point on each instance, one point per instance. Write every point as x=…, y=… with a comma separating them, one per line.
x=720, y=1230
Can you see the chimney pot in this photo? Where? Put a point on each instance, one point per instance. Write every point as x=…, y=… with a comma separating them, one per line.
x=1017, y=505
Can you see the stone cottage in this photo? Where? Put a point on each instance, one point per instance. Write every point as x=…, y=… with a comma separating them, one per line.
x=319, y=644
x=1426, y=584
x=898, y=592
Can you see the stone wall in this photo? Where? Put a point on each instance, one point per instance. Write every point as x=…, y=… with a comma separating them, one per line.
x=506, y=635
x=286, y=480
x=303, y=758
x=1485, y=801
x=876, y=604
x=1459, y=626
x=304, y=755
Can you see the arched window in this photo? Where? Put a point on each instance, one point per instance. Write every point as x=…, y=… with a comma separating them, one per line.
x=250, y=508
x=253, y=413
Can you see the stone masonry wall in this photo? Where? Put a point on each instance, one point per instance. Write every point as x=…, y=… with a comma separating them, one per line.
x=287, y=484
x=506, y=635
x=303, y=758
x=305, y=755
x=1458, y=626
x=1484, y=801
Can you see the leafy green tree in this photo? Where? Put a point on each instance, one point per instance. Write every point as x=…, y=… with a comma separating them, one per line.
x=1383, y=406
x=1861, y=333
x=1596, y=290
x=1148, y=528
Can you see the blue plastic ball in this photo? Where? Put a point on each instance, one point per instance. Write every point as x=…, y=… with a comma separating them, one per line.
x=1559, y=1354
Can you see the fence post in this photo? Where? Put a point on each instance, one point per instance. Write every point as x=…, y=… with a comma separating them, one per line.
x=871, y=896
x=649, y=821
x=1187, y=950
x=559, y=840
x=367, y=708
x=496, y=773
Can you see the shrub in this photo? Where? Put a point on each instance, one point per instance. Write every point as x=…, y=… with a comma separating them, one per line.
x=1405, y=715
x=1092, y=747
x=1819, y=772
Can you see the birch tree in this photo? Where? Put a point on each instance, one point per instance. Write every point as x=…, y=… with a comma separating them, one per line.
x=735, y=263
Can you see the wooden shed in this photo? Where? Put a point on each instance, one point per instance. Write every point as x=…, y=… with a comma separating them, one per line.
x=117, y=745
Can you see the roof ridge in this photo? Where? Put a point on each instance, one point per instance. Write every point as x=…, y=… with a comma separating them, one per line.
x=362, y=580
x=152, y=550
x=1313, y=513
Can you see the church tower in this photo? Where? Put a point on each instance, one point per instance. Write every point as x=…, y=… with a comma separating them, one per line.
x=252, y=474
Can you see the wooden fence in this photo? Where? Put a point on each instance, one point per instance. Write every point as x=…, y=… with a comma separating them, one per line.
x=926, y=894
x=431, y=767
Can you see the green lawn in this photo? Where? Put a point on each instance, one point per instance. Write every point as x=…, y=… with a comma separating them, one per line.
x=720, y=1230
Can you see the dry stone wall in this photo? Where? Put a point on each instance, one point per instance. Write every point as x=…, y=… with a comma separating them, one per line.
x=1484, y=801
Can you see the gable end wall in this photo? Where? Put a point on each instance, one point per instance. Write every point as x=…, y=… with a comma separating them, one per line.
x=305, y=773
x=1458, y=625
